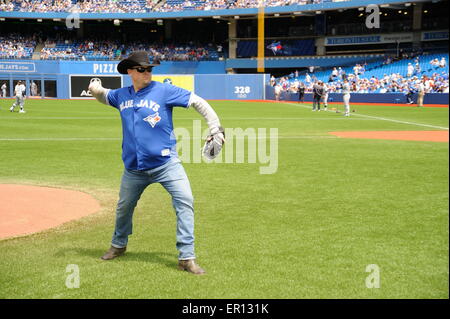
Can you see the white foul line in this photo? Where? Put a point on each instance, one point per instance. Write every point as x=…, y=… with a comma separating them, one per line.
x=62, y=139
x=384, y=119
x=403, y=122
x=178, y=118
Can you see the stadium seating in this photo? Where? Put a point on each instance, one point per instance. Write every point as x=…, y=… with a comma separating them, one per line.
x=378, y=69
x=141, y=6
x=16, y=47
x=109, y=50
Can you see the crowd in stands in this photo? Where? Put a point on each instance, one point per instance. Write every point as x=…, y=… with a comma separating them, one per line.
x=83, y=6
x=15, y=46
x=435, y=79
x=140, y=6
x=115, y=50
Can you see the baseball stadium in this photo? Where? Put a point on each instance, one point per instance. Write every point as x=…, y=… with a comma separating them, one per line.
x=229, y=149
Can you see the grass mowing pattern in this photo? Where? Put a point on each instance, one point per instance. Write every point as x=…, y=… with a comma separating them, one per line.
x=334, y=206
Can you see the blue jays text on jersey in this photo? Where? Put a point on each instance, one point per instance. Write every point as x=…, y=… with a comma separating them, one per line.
x=148, y=139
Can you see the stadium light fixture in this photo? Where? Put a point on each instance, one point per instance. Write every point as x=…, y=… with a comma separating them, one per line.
x=138, y=20
x=384, y=5
x=407, y=4
x=200, y=19
x=216, y=17
x=56, y=20
x=276, y=15
x=39, y=20
x=297, y=12
x=360, y=9
x=236, y=17
x=2, y=19
x=318, y=12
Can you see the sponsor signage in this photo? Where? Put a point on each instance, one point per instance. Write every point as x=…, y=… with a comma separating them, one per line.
x=434, y=35
x=17, y=67
x=369, y=39
x=183, y=81
x=79, y=84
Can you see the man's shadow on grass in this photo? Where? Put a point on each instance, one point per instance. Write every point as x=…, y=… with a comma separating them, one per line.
x=150, y=257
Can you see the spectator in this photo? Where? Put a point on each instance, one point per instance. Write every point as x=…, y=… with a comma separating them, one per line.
x=410, y=70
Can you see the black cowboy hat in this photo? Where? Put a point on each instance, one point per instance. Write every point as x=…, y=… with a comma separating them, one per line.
x=138, y=58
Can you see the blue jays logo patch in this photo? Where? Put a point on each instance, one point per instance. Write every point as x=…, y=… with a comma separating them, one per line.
x=153, y=119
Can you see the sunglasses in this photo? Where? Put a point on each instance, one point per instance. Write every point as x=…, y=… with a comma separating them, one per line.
x=141, y=69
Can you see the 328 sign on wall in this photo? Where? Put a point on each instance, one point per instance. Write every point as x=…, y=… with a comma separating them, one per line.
x=242, y=91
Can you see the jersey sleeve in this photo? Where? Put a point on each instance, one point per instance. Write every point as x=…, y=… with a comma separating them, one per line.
x=112, y=97
x=176, y=96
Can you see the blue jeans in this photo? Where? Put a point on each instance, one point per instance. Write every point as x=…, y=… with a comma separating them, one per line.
x=174, y=179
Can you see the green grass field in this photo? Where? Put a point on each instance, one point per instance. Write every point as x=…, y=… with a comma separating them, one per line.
x=333, y=207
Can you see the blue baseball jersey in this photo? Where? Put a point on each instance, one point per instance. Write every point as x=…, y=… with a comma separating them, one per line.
x=148, y=138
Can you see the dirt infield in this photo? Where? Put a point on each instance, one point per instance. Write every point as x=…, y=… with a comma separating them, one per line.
x=29, y=209
x=427, y=136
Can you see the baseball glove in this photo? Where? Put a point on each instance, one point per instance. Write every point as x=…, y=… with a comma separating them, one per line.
x=213, y=144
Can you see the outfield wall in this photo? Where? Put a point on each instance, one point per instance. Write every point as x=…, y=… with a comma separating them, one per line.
x=70, y=79
x=388, y=98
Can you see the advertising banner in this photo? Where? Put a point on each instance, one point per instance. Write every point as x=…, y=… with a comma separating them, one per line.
x=182, y=81
x=17, y=67
x=79, y=84
x=369, y=39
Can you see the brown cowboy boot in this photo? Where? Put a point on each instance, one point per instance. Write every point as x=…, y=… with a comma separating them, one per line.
x=114, y=252
x=191, y=266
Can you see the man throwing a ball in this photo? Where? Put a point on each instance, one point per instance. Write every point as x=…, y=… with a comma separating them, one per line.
x=149, y=151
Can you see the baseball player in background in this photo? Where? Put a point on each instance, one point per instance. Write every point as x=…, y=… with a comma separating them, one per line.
x=278, y=90
x=421, y=93
x=19, y=93
x=33, y=89
x=4, y=87
x=325, y=96
x=149, y=151
x=317, y=95
x=346, y=97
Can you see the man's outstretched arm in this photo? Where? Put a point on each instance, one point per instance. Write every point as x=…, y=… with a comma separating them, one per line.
x=98, y=91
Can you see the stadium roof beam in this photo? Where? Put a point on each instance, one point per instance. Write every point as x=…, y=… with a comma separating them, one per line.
x=304, y=13
x=393, y=6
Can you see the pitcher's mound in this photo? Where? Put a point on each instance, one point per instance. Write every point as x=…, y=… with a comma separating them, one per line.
x=29, y=209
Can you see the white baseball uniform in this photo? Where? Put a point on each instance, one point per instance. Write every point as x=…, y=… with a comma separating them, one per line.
x=4, y=90
x=19, y=93
x=346, y=98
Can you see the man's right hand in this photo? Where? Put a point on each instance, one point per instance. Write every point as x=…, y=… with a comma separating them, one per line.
x=97, y=90
x=95, y=84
